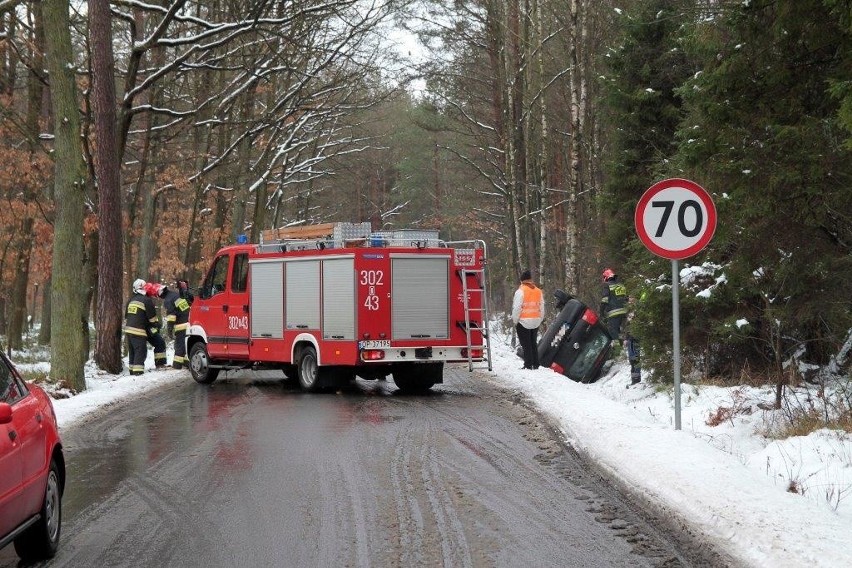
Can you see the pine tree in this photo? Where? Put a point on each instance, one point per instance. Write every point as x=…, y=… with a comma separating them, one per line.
x=762, y=134
x=643, y=108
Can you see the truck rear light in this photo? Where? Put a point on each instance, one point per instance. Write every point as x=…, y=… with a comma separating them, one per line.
x=557, y=367
x=372, y=354
x=474, y=353
x=590, y=317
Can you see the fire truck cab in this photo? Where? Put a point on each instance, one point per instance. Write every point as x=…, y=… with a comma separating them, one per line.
x=325, y=303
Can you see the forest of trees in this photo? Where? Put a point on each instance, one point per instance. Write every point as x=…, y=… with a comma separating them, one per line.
x=136, y=138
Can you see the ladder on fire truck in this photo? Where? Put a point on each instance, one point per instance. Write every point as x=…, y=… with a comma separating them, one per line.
x=472, y=314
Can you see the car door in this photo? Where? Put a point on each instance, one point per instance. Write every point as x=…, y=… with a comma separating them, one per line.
x=11, y=466
x=237, y=308
x=213, y=307
x=29, y=419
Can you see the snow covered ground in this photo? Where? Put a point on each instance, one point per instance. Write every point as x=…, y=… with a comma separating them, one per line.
x=727, y=480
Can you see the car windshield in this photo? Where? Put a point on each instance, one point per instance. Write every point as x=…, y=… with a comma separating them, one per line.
x=595, y=342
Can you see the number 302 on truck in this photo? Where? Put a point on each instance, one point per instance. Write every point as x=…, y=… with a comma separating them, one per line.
x=325, y=303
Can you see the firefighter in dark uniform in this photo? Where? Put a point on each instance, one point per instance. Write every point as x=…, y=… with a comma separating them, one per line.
x=177, y=302
x=155, y=338
x=141, y=326
x=613, y=303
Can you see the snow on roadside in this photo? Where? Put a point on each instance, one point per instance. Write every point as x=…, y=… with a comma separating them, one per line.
x=714, y=477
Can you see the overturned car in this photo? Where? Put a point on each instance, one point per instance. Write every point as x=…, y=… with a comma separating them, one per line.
x=576, y=344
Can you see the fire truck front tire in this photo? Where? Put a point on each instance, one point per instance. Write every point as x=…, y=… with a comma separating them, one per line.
x=199, y=364
x=311, y=375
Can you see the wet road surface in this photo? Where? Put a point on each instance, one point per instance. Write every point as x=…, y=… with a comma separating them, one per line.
x=252, y=472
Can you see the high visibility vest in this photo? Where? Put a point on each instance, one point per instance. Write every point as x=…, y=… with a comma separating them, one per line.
x=531, y=308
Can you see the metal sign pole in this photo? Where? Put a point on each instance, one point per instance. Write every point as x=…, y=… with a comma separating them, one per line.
x=676, y=339
x=695, y=212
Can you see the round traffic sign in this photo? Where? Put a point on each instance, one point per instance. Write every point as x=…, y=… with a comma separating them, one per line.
x=675, y=218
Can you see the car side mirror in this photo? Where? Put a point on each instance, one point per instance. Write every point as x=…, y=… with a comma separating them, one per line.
x=5, y=413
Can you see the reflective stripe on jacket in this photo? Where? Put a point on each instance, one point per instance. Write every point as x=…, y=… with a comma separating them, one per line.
x=614, y=301
x=140, y=315
x=177, y=308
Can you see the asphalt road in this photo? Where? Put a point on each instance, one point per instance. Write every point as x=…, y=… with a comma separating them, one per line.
x=252, y=472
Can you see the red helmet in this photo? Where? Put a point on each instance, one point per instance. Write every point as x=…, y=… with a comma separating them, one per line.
x=608, y=273
x=154, y=289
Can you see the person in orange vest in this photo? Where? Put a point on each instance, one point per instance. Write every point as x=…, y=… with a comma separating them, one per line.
x=527, y=314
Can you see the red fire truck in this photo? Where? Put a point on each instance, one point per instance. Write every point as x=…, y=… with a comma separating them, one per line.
x=325, y=303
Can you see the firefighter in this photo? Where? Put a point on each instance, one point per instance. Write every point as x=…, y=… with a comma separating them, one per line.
x=631, y=342
x=527, y=314
x=177, y=302
x=155, y=338
x=634, y=352
x=184, y=291
x=613, y=303
x=141, y=327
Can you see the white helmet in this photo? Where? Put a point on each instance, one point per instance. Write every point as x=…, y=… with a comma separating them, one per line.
x=139, y=286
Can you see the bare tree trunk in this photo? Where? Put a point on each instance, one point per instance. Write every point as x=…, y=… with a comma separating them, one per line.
x=241, y=193
x=3, y=49
x=7, y=81
x=203, y=144
x=572, y=277
x=18, y=294
x=123, y=118
x=148, y=194
x=148, y=202
x=24, y=237
x=544, y=146
x=109, y=316
x=67, y=347
x=44, y=330
x=89, y=281
x=513, y=199
x=33, y=307
x=132, y=201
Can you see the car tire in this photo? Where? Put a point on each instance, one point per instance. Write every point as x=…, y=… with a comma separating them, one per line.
x=310, y=373
x=41, y=540
x=199, y=364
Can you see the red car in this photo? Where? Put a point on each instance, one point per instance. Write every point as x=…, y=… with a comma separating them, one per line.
x=32, y=467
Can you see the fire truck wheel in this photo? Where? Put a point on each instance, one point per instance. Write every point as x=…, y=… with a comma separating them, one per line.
x=199, y=364
x=309, y=370
x=290, y=371
x=417, y=378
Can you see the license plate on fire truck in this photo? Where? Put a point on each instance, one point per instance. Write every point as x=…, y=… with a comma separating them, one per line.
x=375, y=344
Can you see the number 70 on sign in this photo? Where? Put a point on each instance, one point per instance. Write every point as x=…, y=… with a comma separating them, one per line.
x=675, y=218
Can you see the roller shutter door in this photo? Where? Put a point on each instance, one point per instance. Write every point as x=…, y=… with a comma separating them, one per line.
x=267, y=299
x=303, y=294
x=338, y=293
x=420, y=298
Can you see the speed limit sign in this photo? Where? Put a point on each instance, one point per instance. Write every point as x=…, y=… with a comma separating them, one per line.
x=675, y=218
